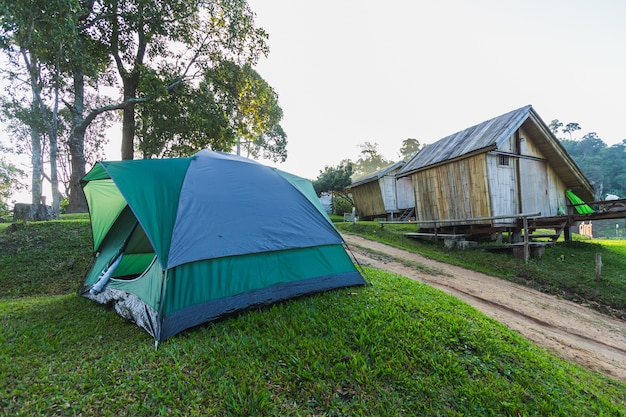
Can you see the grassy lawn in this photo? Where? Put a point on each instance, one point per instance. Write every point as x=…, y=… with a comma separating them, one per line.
x=393, y=348
x=566, y=269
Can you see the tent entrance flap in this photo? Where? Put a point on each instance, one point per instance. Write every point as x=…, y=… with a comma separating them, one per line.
x=134, y=257
x=133, y=265
x=138, y=255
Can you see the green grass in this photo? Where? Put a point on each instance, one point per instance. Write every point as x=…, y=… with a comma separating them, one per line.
x=46, y=258
x=566, y=269
x=393, y=348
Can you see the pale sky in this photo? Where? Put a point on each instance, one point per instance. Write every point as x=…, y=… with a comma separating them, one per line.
x=350, y=71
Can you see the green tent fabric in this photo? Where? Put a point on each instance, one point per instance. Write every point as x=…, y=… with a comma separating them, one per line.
x=580, y=206
x=179, y=242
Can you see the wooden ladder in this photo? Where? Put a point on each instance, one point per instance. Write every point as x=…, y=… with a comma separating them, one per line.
x=406, y=214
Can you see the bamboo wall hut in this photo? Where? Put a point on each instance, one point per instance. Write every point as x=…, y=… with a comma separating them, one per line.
x=381, y=194
x=508, y=165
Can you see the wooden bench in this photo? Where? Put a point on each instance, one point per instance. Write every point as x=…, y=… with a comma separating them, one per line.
x=451, y=236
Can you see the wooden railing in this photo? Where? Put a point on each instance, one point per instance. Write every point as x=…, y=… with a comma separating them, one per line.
x=452, y=222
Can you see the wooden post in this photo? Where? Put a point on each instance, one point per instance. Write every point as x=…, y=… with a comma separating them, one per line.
x=598, y=266
x=567, y=233
x=526, y=246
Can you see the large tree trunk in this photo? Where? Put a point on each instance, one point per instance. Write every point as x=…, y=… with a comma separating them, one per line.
x=35, y=143
x=131, y=83
x=54, y=178
x=54, y=148
x=77, y=202
x=128, y=132
x=35, y=138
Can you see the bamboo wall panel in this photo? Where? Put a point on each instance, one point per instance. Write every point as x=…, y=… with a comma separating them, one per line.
x=556, y=193
x=456, y=190
x=528, y=147
x=368, y=199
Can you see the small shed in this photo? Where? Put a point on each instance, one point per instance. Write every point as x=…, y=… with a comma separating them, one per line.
x=382, y=194
x=507, y=165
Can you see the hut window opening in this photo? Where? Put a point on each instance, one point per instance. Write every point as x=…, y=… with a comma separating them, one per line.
x=503, y=160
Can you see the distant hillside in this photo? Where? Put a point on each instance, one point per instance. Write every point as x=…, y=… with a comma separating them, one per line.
x=604, y=166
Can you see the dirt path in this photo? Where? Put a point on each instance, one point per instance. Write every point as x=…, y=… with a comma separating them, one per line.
x=568, y=330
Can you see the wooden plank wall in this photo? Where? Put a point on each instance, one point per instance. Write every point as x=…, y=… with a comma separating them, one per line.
x=388, y=189
x=368, y=199
x=455, y=190
x=541, y=189
x=503, y=185
x=405, y=193
x=478, y=186
x=556, y=193
x=548, y=202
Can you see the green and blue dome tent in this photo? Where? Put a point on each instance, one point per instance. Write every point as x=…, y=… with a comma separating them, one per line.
x=179, y=242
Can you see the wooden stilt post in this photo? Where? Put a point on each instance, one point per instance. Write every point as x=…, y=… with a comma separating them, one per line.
x=598, y=266
x=526, y=245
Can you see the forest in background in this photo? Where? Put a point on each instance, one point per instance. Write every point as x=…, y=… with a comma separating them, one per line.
x=603, y=165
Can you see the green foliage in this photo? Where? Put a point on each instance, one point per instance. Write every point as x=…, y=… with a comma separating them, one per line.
x=10, y=181
x=409, y=148
x=182, y=123
x=334, y=179
x=571, y=128
x=63, y=206
x=231, y=104
x=604, y=166
x=46, y=44
x=251, y=106
x=162, y=50
x=139, y=36
x=341, y=205
x=554, y=126
x=370, y=160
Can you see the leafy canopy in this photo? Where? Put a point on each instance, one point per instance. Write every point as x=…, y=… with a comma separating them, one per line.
x=370, y=159
x=334, y=179
x=409, y=148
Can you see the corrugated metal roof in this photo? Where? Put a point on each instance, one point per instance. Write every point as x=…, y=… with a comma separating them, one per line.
x=375, y=176
x=486, y=135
